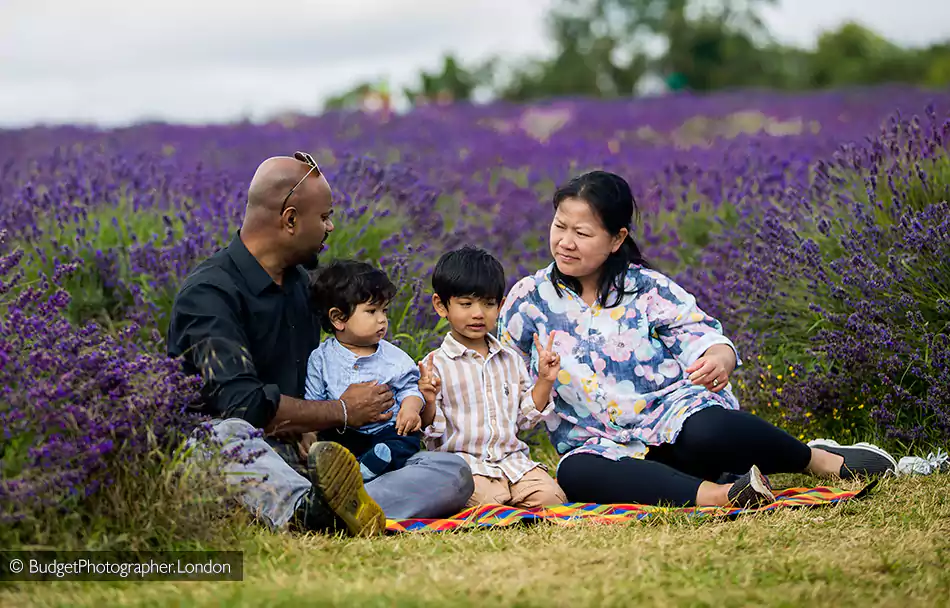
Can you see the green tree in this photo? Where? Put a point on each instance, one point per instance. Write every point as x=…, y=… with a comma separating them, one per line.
x=710, y=55
x=455, y=82
x=349, y=99
x=602, y=47
x=936, y=58
x=855, y=55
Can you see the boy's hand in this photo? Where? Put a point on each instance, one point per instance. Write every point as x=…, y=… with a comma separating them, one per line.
x=408, y=420
x=549, y=362
x=429, y=383
x=303, y=446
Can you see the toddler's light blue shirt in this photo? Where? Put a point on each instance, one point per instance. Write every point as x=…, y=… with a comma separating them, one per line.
x=332, y=368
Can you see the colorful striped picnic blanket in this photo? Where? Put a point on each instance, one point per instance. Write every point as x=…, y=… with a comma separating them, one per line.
x=492, y=516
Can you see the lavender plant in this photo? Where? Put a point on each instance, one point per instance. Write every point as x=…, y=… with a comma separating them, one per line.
x=813, y=227
x=845, y=286
x=83, y=411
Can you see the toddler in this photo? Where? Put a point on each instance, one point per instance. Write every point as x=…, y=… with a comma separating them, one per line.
x=352, y=299
x=481, y=392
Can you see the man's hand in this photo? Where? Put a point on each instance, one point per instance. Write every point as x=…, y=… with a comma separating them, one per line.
x=712, y=369
x=429, y=383
x=366, y=402
x=409, y=419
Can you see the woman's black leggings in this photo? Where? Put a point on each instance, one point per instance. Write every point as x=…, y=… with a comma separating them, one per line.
x=713, y=441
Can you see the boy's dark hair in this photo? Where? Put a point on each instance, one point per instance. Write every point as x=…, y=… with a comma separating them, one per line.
x=468, y=272
x=345, y=284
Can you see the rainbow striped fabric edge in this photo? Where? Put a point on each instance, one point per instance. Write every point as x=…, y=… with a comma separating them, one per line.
x=494, y=516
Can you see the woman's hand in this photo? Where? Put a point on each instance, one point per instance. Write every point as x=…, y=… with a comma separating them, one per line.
x=713, y=368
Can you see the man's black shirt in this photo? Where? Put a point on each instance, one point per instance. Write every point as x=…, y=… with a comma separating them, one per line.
x=248, y=337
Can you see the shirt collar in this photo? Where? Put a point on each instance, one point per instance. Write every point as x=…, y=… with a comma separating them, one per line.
x=347, y=353
x=454, y=349
x=630, y=282
x=257, y=278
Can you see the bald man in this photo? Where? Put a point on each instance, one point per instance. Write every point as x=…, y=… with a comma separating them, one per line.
x=242, y=320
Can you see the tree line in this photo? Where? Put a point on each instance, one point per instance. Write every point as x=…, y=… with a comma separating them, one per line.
x=614, y=48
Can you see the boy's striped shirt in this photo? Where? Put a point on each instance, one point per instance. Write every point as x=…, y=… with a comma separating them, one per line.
x=482, y=405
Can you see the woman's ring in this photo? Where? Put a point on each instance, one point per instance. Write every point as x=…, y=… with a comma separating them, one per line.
x=716, y=382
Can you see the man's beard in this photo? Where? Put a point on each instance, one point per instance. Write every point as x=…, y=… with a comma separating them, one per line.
x=312, y=262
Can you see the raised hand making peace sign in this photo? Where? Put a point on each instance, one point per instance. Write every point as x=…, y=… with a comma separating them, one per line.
x=549, y=362
x=429, y=383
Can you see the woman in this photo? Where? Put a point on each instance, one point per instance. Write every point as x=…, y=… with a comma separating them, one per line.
x=644, y=409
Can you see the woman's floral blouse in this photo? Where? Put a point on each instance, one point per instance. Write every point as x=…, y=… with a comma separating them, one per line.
x=622, y=385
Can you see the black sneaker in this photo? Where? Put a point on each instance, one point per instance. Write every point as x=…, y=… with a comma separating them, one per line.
x=860, y=459
x=338, y=499
x=728, y=478
x=752, y=490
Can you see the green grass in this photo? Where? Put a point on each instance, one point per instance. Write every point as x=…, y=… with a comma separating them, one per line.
x=888, y=549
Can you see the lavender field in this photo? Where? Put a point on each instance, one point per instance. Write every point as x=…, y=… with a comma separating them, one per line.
x=816, y=227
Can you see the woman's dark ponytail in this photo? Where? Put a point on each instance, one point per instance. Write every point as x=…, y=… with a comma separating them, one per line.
x=633, y=252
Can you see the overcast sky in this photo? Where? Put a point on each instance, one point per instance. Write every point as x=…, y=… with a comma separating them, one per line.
x=115, y=61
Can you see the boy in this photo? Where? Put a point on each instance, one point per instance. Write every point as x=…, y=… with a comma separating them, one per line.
x=352, y=299
x=481, y=392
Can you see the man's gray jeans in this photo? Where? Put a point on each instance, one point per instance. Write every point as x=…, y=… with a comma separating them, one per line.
x=431, y=485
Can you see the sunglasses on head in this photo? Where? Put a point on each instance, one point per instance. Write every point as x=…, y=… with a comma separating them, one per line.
x=304, y=158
